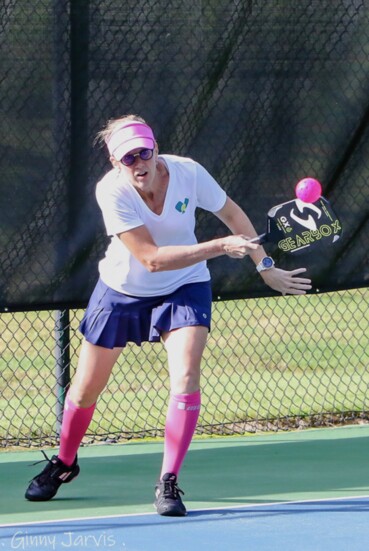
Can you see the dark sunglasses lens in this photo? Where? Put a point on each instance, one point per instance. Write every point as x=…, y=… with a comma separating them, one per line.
x=128, y=159
x=146, y=154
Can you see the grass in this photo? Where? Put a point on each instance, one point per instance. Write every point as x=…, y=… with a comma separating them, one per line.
x=267, y=358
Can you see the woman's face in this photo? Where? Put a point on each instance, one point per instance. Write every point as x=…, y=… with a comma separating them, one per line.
x=142, y=171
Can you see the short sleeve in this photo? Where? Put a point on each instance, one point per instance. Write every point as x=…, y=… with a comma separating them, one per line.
x=117, y=208
x=210, y=195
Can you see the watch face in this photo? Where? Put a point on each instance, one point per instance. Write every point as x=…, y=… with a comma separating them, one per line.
x=267, y=262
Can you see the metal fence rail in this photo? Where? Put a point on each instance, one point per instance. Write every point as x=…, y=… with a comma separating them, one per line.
x=271, y=363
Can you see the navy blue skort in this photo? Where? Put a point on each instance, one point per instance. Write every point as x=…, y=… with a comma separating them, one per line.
x=112, y=319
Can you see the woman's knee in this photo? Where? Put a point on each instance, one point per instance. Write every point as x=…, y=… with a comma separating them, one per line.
x=94, y=368
x=83, y=396
x=184, y=380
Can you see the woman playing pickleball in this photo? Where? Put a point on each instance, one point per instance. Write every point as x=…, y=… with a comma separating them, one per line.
x=154, y=285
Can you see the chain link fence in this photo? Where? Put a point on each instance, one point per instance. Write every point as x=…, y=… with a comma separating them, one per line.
x=262, y=92
x=270, y=364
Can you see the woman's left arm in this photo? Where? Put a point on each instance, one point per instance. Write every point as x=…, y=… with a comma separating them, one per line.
x=283, y=281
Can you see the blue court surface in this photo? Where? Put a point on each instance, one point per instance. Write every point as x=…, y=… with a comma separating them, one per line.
x=329, y=525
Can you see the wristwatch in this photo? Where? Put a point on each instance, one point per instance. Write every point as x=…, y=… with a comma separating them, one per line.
x=265, y=263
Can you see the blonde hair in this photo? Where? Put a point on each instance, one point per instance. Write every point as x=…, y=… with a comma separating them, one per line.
x=103, y=136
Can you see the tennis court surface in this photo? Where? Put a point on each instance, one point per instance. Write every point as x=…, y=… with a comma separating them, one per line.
x=295, y=491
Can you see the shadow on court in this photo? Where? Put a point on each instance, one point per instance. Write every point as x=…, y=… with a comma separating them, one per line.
x=217, y=473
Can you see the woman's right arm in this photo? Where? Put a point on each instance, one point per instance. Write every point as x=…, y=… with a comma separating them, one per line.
x=173, y=257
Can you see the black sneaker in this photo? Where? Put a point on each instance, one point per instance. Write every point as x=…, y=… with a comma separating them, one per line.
x=45, y=485
x=168, y=501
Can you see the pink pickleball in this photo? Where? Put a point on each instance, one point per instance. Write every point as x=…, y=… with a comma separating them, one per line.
x=308, y=190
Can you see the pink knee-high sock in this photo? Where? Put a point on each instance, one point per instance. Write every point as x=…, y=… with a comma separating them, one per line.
x=74, y=426
x=182, y=416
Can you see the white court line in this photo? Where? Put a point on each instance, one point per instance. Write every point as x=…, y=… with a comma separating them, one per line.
x=210, y=509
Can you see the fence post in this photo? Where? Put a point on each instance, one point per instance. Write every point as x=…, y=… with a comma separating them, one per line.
x=62, y=362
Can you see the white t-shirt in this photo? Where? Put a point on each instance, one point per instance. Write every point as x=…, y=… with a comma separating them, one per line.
x=190, y=186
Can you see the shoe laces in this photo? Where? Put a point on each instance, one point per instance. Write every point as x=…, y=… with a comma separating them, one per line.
x=171, y=490
x=46, y=471
x=42, y=460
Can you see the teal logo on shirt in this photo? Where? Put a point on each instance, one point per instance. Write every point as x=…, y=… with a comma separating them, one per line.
x=181, y=207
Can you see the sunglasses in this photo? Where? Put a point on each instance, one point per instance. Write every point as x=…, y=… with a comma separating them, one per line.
x=130, y=158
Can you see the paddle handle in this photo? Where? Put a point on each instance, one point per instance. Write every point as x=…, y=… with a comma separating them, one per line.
x=262, y=238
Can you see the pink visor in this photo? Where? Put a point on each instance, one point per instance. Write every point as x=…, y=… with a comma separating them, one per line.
x=131, y=136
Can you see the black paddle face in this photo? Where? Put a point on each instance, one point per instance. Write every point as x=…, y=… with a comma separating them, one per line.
x=297, y=226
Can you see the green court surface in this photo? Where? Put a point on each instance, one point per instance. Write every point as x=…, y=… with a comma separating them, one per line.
x=218, y=472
